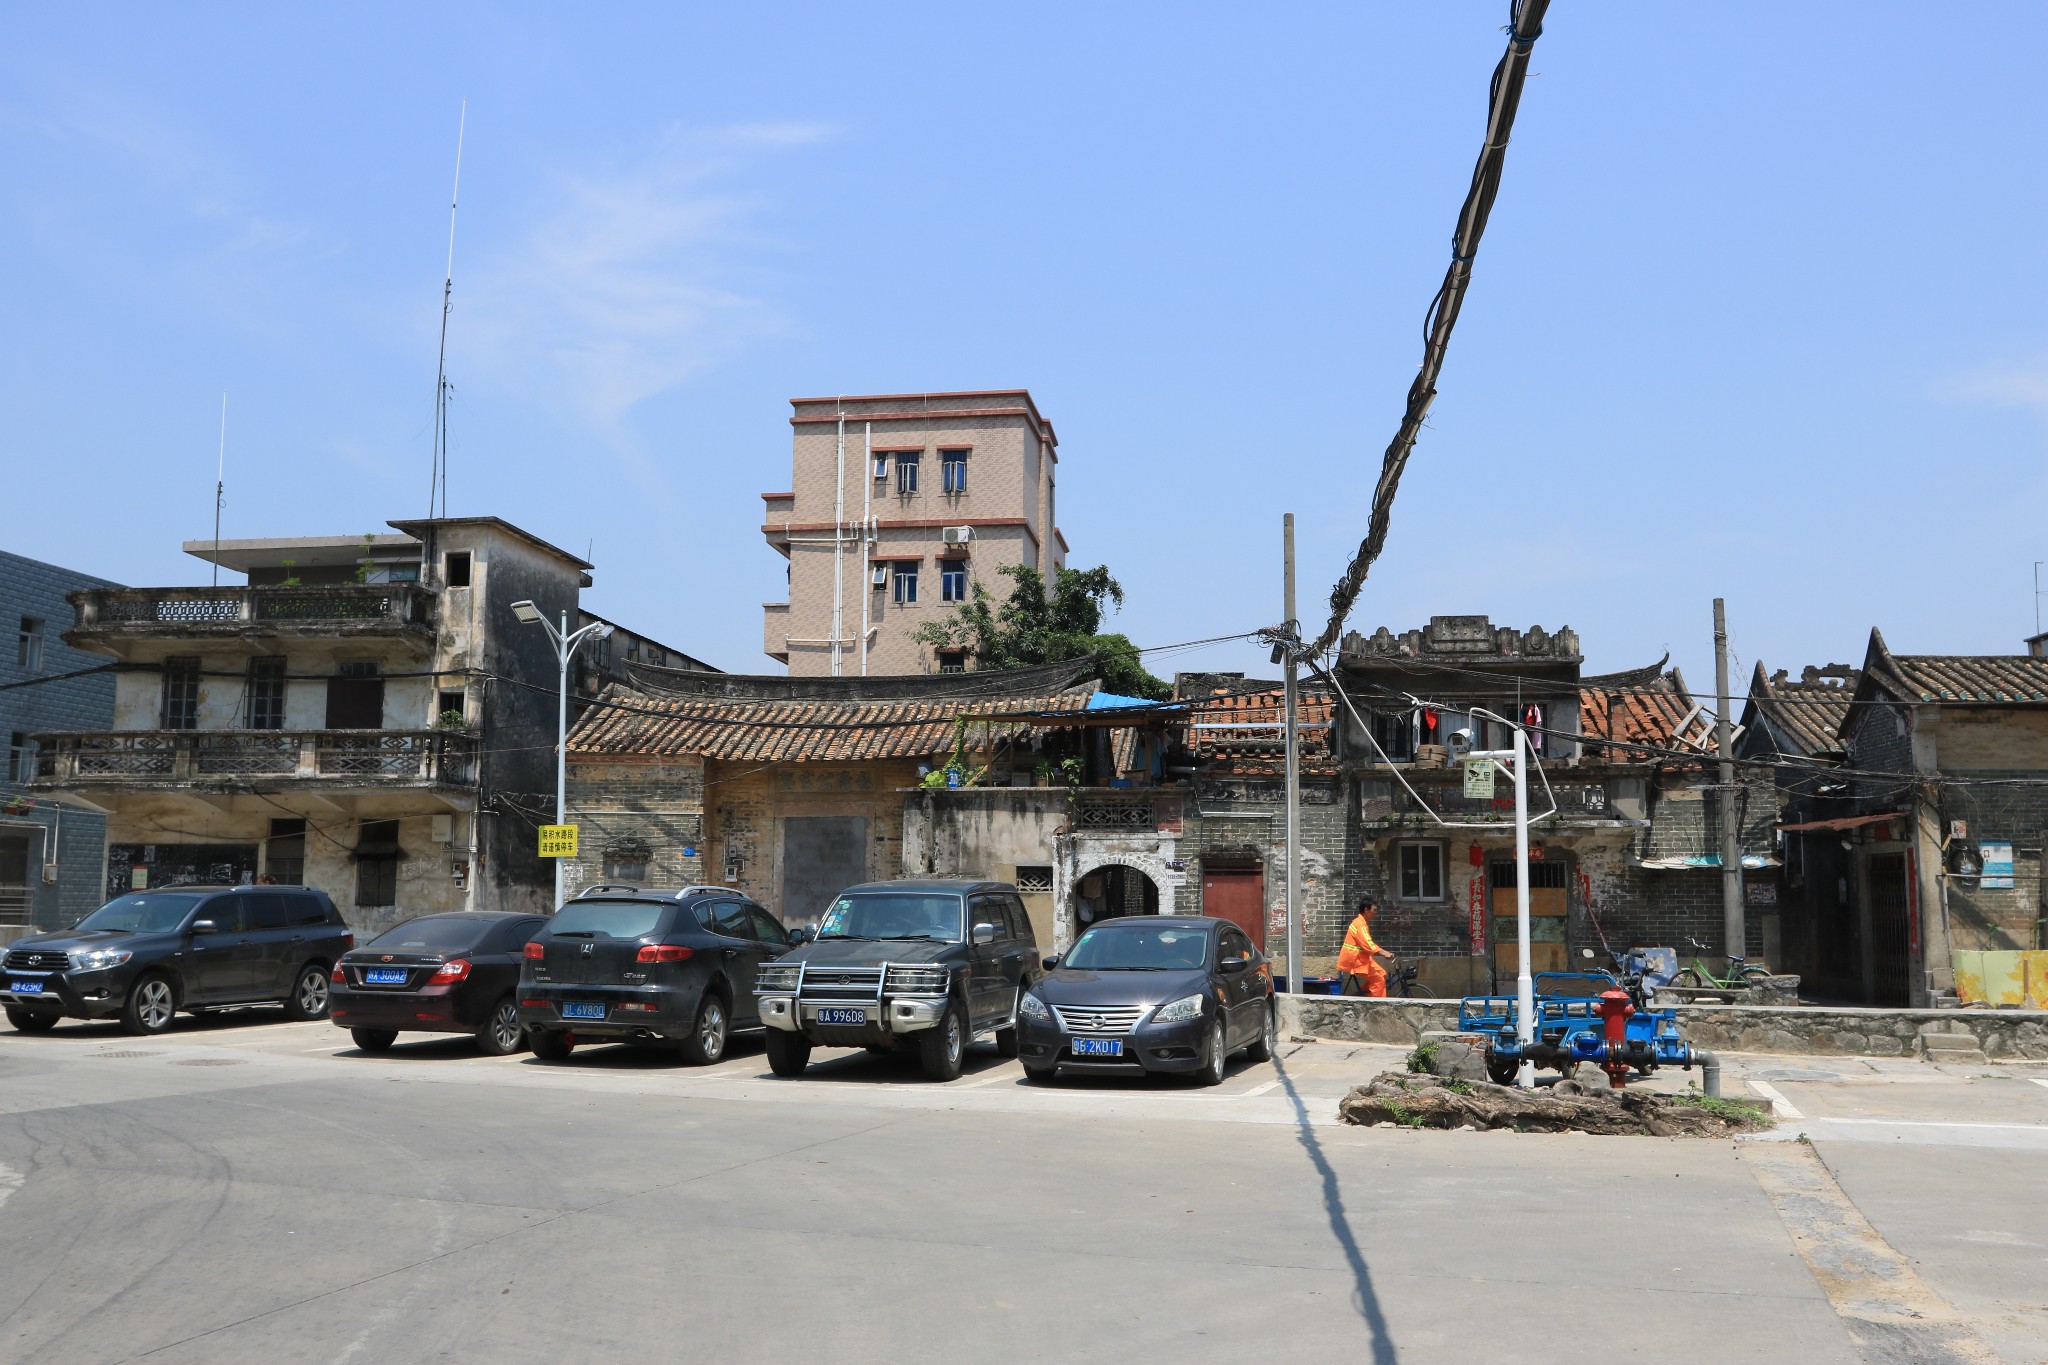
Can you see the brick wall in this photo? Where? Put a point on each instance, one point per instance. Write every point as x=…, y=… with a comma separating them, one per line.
x=630, y=806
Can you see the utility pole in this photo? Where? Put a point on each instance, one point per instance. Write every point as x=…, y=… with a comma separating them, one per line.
x=1292, y=696
x=1734, y=933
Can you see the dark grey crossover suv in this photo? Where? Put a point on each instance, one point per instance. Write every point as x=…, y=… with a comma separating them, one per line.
x=626, y=964
x=919, y=965
x=142, y=957
x=1150, y=993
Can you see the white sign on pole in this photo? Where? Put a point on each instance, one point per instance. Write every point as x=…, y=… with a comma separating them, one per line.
x=1479, y=778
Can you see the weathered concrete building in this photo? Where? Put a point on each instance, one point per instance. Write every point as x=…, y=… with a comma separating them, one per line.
x=51, y=853
x=364, y=715
x=899, y=503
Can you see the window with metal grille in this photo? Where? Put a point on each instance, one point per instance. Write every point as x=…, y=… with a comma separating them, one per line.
x=905, y=580
x=953, y=465
x=1034, y=878
x=181, y=694
x=28, y=654
x=952, y=661
x=264, y=702
x=284, y=852
x=1422, y=872
x=952, y=581
x=906, y=471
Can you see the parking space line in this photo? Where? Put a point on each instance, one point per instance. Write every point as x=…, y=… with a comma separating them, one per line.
x=2037, y=1080
x=986, y=1080
x=1780, y=1106
x=1259, y=1090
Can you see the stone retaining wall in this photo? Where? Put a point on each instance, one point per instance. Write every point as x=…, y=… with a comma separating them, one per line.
x=2018, y=1035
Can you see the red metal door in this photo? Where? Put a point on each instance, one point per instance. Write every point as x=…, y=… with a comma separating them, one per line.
x=1238, y=895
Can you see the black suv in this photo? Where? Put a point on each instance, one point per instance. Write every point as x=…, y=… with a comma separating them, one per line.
x=144, y=956
x=928, y=965
x=623, y=964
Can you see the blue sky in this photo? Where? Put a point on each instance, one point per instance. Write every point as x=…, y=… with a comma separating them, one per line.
x=1760, y=312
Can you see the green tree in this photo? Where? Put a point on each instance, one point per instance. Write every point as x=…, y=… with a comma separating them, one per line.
x=1038, y=627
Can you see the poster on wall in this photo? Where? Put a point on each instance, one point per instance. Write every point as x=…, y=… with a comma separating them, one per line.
x=1997, y=866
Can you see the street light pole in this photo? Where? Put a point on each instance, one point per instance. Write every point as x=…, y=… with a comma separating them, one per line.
x=566, y=644
x=1516, y=761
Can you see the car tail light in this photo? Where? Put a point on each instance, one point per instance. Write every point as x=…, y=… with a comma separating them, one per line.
x=663, y=952
x=535, y=953
x=532, y=1004
x=454, y=969
x=340, y=977
x=348, y=941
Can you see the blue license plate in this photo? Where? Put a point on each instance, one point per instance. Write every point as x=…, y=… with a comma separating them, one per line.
x=385, y=976
x=578, y=1009
x=27, y=987
x=1098, y=1047
x=855, y=1017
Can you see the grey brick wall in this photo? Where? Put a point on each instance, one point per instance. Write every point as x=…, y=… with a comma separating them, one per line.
x=638, y=805
x=29, y=588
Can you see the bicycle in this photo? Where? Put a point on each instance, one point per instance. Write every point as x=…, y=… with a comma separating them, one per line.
x=1698, y=976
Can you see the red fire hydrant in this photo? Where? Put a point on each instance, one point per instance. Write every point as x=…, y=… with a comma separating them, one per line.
x=1615, y=1009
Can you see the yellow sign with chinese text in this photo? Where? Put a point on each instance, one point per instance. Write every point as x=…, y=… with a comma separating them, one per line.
x=558, y=841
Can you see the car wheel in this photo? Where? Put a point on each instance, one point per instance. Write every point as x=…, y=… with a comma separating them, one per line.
x=31, y=1021
x=550, y=1045
x=308, y=1000
x=150, y=1004
x=942, y=1048
x=1261, y=1049
x=706, y=1044
x=1212, y=1067
x=1006, y=1038
x=501, y=1034
x=788, y=1053
x=1040, y=1075
x=374, y=1039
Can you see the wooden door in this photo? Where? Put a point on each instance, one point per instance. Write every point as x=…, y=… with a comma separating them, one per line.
x=1238, y=895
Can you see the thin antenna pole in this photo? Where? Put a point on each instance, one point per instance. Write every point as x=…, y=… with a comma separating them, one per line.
x=2037, y=597
x=437, y=483
x=220, y=484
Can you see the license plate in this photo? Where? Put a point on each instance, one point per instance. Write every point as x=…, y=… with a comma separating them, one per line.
x=577, y=1009
x=27, y=987
x=1098, y=1047
x=842, y=1016
x=385, y=976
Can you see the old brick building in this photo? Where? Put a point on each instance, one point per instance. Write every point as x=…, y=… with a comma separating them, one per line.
x=898, y=504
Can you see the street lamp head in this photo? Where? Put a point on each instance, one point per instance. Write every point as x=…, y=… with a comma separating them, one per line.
x=527, y=613
x=603, y=631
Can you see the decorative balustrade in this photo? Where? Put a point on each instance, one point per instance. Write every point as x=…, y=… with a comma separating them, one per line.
x=393, y=604
x=335, y=757
x=1108, y=811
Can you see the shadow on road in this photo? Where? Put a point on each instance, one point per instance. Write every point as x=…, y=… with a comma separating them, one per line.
x=1383, y=1352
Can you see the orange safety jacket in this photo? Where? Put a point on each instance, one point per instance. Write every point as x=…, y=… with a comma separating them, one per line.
x=1360, y=955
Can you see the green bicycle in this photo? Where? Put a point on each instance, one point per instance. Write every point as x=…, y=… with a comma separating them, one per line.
x=1742, y=973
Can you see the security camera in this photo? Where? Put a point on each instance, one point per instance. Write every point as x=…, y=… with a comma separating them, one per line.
x=1461, y=739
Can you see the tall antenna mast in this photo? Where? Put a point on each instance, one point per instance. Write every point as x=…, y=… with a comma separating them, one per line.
x=220, y=485
x=437, y=484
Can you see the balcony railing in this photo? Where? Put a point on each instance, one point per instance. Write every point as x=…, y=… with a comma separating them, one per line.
x=391, y=604
x=341, y=757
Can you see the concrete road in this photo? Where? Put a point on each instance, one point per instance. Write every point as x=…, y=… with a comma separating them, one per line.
x=244, y=1189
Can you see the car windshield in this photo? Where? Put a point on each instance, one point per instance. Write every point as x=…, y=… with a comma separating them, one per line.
x=155, y=913
x=608, y=919
x=433, y=934
x=894, y=915
x=1140, y=948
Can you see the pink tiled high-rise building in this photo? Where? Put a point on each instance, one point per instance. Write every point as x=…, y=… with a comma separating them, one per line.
x=898, y=505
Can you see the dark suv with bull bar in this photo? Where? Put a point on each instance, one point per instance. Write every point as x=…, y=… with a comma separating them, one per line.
x=914, y=965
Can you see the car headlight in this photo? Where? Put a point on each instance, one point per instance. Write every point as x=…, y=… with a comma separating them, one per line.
x=1031, y=1007
x=96, y=959
x=1179, y=1011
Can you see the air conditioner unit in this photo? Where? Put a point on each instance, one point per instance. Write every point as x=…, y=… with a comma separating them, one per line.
x=956, y=535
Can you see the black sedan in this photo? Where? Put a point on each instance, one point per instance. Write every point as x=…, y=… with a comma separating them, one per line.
x=1147, y=993
x=455, y=973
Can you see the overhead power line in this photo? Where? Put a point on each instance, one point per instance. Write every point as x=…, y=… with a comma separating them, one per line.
x=1525, y=26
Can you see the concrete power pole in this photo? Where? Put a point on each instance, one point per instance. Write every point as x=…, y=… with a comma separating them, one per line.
x=1734, y=933
x=1293, y=705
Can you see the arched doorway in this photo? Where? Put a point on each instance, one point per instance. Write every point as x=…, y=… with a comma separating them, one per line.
x=1111, y=891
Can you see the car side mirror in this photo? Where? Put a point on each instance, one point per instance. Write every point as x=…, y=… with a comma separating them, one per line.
x=800, y=936
x=1051, y=964
x=984, y=933
x=203, y=926
x=1234, y=965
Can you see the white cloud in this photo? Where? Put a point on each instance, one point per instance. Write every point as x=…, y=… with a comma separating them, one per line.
x=2023, y=385
x=623, y=288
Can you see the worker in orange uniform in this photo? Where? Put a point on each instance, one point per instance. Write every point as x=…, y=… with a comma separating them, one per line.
x=1359, y=960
